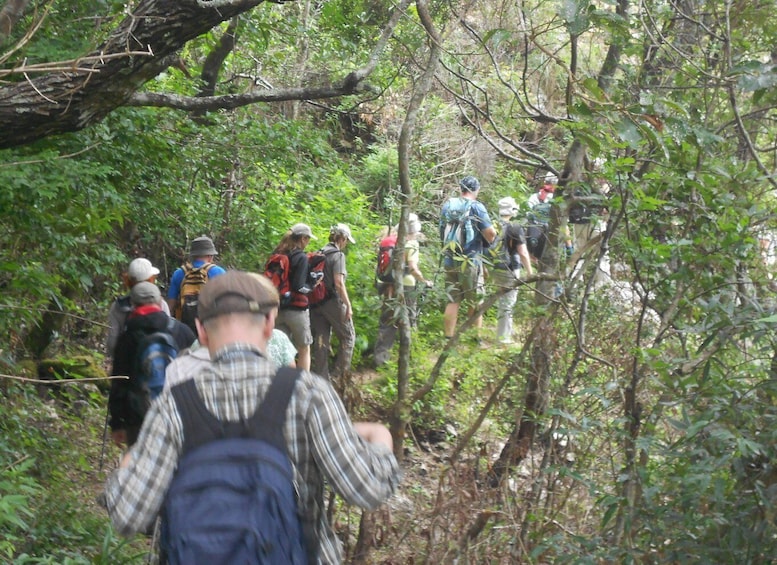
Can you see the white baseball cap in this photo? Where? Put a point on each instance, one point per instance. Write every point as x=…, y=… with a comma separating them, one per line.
x=507, y=206
x=141, y=269
x=343, y=230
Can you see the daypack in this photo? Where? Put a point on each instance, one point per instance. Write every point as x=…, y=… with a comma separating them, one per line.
x=233, y=499
x=192, y=283
x=537, y=229
x=385, y=254
x=277, y=270
x=579, y=214
x=536, y=238
x=155, y=352
x=458, y=231
x=316, y=262
x=500, y=254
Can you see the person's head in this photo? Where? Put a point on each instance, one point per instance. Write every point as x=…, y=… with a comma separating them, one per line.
x=297, y=237
x=507, y=207
x=140, y=270
x=236, y=307
x=202, y=248
x=340, y=235
x=144, y=293
x=546, y=191
x=301, y=234
x=470, y=186
x=413, y=226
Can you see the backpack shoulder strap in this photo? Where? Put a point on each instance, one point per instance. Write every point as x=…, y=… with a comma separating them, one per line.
x=270, y=416
x=200, y=426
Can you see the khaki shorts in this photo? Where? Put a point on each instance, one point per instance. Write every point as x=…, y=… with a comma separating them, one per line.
x=296, y=325
x=464, y=281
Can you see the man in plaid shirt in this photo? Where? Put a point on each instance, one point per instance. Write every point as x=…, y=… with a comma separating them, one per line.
x=236, y=317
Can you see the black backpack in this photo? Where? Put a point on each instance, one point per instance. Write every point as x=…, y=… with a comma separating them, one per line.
x=500, y=254
x=536, y=238
x=233, y=499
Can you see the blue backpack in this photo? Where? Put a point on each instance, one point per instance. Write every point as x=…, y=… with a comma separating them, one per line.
x=457, y=231
x=233, y=499
x=155, y=352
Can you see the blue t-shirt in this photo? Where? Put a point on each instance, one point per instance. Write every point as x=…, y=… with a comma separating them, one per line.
x=478, y=215
x=174, y=291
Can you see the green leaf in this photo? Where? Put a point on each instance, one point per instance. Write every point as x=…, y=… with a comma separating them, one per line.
x=628, y=132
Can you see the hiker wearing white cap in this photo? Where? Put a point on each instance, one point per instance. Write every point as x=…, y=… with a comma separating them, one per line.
x=412, y=276
x=334, y=313
x=139, y=270
x=294, y=314
x=510, y=259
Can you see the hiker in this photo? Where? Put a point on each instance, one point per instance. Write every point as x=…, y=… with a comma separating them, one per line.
x=294, y=315
x=510, y=259
x=187, y=280
x=235, y=317
x=334, y=313
x=545, y=192
x=539, y=220
x=466, y=231
x=139, y=270
x=387, y=328
x=128, y=399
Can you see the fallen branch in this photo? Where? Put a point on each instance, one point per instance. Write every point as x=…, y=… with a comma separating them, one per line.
x=63, y=381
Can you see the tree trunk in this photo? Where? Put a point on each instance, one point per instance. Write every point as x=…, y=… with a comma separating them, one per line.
x=81, y=94
x=399, y=413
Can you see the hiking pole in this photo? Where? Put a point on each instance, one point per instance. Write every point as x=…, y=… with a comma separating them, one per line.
x=105, y=432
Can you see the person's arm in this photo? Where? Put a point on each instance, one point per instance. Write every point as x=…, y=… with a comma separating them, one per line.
x=489, y=234
x=339, y=274
x=299, y=272
x=342, y=292
x=523, y=253
x=486, y=227
x=116, y=320
x=363, y=470
x=134, y=493
x=375, y=433
x=174, y=291
x=411, y=260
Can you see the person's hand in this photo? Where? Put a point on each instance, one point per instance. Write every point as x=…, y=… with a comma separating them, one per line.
x=428, y=283
x=119, y=437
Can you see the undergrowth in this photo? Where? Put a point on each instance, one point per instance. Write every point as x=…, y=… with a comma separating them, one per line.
x=50, y=453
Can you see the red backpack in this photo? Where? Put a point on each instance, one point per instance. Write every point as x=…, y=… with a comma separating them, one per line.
x=277, y=270
x=316, y=262
x=385, y=255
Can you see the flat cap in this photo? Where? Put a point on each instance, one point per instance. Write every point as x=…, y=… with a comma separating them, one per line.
x=236, y=292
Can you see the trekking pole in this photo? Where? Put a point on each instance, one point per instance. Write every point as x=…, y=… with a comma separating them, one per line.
x=105, y=432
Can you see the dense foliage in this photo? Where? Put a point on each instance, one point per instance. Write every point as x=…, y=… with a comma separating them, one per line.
x=643, y=384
